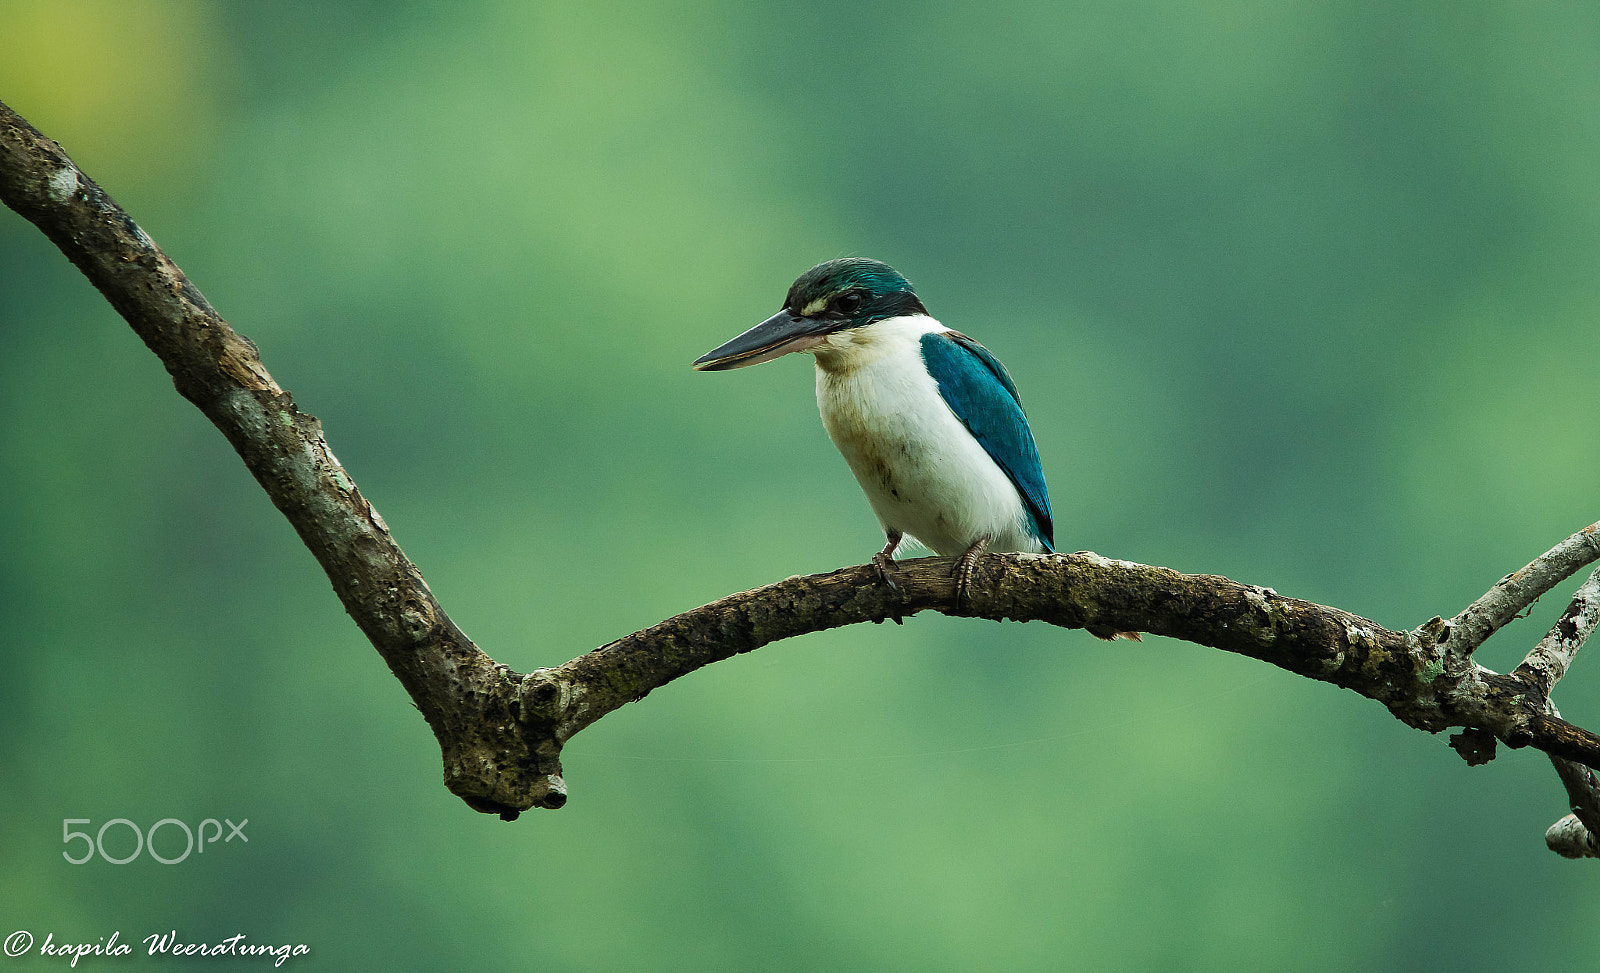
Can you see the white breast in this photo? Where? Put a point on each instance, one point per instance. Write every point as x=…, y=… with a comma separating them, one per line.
x=922, y=471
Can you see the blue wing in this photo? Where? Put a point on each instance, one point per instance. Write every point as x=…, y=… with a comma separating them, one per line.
x=976, y=387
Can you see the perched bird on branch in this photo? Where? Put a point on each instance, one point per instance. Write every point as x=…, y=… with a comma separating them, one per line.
x=929, y=421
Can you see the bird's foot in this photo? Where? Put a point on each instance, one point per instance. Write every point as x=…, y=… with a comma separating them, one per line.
x=883, y=561
x=963, y=570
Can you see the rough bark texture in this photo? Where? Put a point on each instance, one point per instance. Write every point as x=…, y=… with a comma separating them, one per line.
x=1548, y=661
x=1574, y=836
x=501, y=732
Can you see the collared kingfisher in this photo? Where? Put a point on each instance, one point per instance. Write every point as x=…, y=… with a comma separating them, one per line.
x=929, y=421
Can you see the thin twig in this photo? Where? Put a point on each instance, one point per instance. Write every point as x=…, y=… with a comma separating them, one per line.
x=1516, y=591
x=1551, y=658
x=1574, y=836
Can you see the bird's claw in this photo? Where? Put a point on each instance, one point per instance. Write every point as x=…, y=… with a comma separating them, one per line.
x=963, y=576
x=881, y=563
x=963, y=571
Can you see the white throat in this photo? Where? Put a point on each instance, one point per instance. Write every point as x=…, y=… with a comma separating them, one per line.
x=844, y=351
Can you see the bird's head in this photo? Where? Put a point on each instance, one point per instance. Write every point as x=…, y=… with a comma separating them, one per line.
x=838, y=295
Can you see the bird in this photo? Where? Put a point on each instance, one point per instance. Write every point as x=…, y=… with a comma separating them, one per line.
x=927, y=419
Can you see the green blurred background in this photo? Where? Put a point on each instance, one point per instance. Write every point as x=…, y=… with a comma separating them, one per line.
x=1303, y=293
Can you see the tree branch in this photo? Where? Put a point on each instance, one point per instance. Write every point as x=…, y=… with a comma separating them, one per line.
x=1574, y=835
x=501, y=732
x=1548, y=661
x=1520, y=589
x=461, y=692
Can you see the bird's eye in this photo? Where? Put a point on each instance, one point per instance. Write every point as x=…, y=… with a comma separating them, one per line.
x=848, y=303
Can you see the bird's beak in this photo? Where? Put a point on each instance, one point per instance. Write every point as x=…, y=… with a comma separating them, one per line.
x=776, y=336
